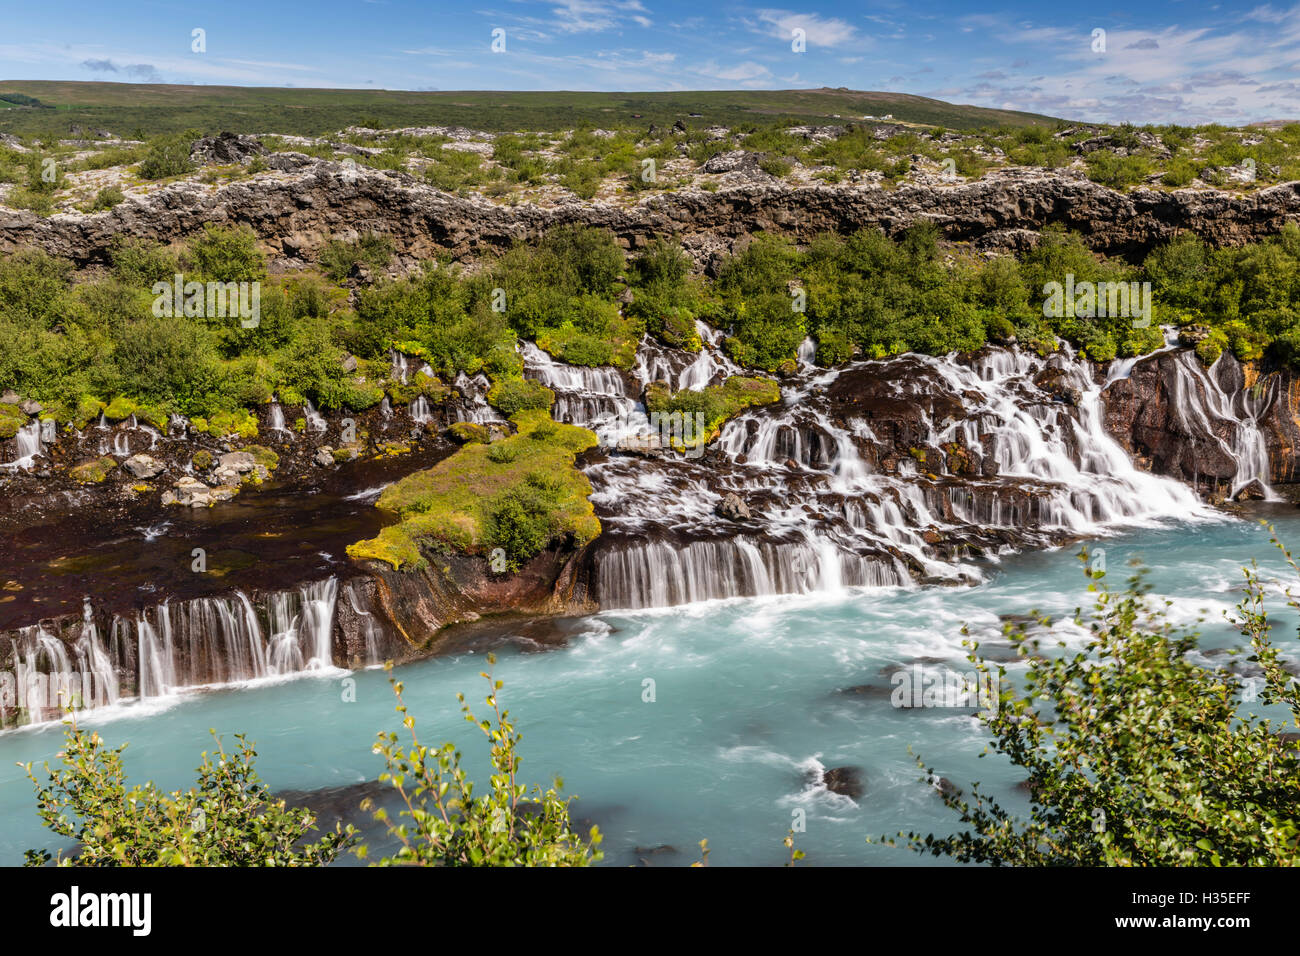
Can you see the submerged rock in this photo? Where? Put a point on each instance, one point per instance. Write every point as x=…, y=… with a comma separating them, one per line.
x=846, y=781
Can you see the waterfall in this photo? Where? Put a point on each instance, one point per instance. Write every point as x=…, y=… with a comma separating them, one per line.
x=1200, y=401
x=122, y=443
x=370, y=627
x=399, y=365
x=1005, y=463
x=28, y=439
x=593, y=397
x=659, y=363
x=807, y=353
x=173, y=646
x=315, y=420
x=420, y=410
x=276, y=418
x=474, y=406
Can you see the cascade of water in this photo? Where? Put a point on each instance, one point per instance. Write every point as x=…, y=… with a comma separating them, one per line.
x=276, y=416
x=593, y=397
x=808, y=353
x=475, y=407
x=369, y=626
x=1042, y=469
x=1200, y=401
x=28, y=439
x=399, y=366
x=420, y=410
x=315, y=420
x=214, y=640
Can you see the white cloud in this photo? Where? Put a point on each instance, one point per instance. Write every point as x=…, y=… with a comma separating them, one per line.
x=819, y=31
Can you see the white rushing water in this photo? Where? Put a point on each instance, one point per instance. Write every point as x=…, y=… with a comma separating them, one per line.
x=218, y=640
x=826, y=516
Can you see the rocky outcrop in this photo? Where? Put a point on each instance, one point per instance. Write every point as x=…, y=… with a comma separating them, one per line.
x=1178, y=418
x=300, y=202
x=225, y=149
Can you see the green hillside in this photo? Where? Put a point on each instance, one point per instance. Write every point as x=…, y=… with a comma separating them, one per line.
x=131, y=109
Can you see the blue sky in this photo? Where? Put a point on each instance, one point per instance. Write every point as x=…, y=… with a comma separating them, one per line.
x=1161, y=62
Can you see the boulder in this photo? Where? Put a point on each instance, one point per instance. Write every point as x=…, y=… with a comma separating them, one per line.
x=733, y=509
x=324, y=456
x=233, y=466
x=1253, y=490
x=226, y=148
x=143, y=466
x=846, y=781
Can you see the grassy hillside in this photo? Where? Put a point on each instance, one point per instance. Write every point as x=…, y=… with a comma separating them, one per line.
x=132, y=109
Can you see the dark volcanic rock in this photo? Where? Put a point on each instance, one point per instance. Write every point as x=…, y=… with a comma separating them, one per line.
x=226, y=148
x=317, y=198
x=846, y=781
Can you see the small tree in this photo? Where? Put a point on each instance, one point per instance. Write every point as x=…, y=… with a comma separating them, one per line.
x=445, y=824
x=229, y=820
x=1136, y=754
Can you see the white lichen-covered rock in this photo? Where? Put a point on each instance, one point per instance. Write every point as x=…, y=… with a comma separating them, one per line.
x=143, y=466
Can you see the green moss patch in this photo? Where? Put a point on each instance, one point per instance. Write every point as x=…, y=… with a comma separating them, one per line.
x=517, y=494
x=242, y=423
x=717, y=403
x=92, y=472
x=465, y=432
x=12, y=418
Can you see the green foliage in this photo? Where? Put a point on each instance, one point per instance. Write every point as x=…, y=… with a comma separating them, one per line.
x=1137, y=755
x=447, y=821
x=228, y=255
x=371, y=250
x=716, y=403
x=519, y=493
x=168, y=156
x=1117, y=172
x=229, y=819
x=513, y=394
x=107, y=198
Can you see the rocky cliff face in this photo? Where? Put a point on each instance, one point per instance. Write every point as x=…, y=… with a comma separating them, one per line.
x=302, y=202
x=1200, y=425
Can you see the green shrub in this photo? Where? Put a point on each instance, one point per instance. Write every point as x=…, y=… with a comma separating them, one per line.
x=168, y=156
x=1136, y=754
x=229, y=819
x=450, y=822
x=228, y=255
x=512, y=395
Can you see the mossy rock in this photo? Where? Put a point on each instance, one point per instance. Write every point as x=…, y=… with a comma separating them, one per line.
x=517, y=494
x=346, y=453
x=241, y=423
x=263, y=456
x=202, y=460
x=9, y=426
x=92, y=472
x=470, y=432
x=716, y=404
